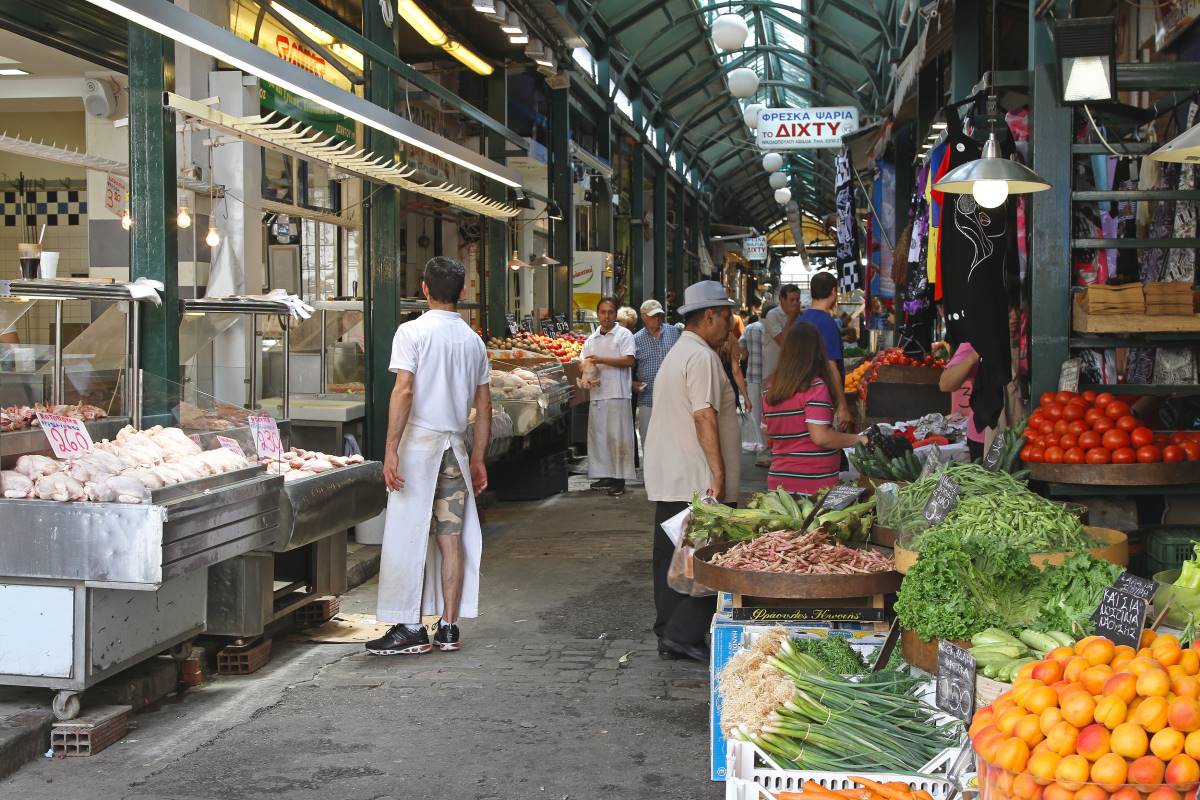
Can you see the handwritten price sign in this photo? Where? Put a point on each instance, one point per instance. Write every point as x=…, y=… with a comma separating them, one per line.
x=266, y=436
x=232, y=444
x=67, y=436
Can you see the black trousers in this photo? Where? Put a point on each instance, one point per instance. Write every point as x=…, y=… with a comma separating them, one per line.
x=679, y=617
x=975, y=449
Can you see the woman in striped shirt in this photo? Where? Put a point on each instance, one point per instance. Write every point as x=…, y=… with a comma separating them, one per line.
x=798, y=414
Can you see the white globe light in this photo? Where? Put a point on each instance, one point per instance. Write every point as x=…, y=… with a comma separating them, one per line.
x=990, y=194
x=750, y=115
x=213, y=238
x=778, y=180
x=729, y=32
x=783, y=196
x=743, y=83
x=772, y=162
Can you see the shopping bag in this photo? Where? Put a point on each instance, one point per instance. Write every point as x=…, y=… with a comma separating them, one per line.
x=751, y=440
x=680, y=575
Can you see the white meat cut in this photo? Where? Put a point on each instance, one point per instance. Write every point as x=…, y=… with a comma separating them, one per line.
x=316, y=465
x=34, y=467
x=118, y=489
x=173, y=441
x=295, y=475
x=88, y=468
x=105, y=459
x=147, y=478
x=222, y=460
x=59, y=486
x=15, y=485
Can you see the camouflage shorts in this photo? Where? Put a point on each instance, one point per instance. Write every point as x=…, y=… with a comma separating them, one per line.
x=449, y=498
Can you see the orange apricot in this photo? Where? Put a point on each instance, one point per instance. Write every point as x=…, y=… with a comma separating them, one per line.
x=1148, y=637
x=1167, y=743
x=1164, y=638
x=1008, y=720
x=1122, y=685
x=1090, y=791
x=1027, y=729
x=1126, y=793
x=1025, y=787
x=1168, y=655
x=1073, y=771
x=1082, y=644
x=1183, y=714
x=1056, y=791
x=1093, y=741
x=1140, y=664
x=1061, y=654
x=1122, y=654
x=1021, y=687
x=1109, y=770
x=1165, y=793
x=1049, y=718
x=1026, y=670
x=1182, y=770
x=1154, y=682
x=1185, y=686
x=1061, y=738
x=1191, y=745
x=1145, y=772
x=1129, y=740
x=1111, y=711
x=986, y=741
x=1013, y=754
x=1070, y=670
x=1151, y=714
x=1099, y=651
x=1094, y=678
x=1190, y=661
x=1040, y=699
x=1043, y=763
x=1048, y=671
x=1078, y=708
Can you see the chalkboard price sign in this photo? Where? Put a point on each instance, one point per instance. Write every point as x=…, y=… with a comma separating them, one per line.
x=1137, y=586
x=527, y=323
x=561, y=324
x=991, y=459
x=942, y=501
x=512, y=324
x=1121, y=617
x=955, y=691
x=842, y=496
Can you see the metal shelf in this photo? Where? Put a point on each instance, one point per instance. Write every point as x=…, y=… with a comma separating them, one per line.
x=1134, y=244
x=1106, y=195
x=1101, y=340
x=63, y=290
x=233, y=305
x=1099, y=149
x=1155, y=389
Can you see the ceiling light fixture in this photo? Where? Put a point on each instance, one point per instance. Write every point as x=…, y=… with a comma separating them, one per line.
x=212, y=239
x=750, y=115
x=783, y=196
x=468, y=58
x=730, y=31
x=175, y=23
x=515, y=263
x=554, y=211
x=1086, y=52
x=348, y=54
x=772, y=162
x=184, y=219
x=12, y=72
x=484, y=6
x=314, y=32
x=545, y=261
x=512, y=24
x=743, y=82
x=778, y=180
x=415, y=16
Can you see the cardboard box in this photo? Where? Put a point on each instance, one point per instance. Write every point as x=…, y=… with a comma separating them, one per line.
x=729, y=636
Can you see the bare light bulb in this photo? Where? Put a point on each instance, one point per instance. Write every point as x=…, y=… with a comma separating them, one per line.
x=213, y=238
x=126, y=220
x=184, y=220
x=990, y=193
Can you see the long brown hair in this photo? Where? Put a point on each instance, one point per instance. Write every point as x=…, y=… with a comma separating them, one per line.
x=801, y=361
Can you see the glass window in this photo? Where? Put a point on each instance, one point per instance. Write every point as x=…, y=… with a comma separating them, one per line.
x=351, y=283
x=320, y=191
x=318, y=260
x=583, y=57
x=623, y=103
x=278, y=177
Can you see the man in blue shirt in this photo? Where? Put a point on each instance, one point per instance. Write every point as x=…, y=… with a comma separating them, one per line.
x=823, y=287
x=652, y=343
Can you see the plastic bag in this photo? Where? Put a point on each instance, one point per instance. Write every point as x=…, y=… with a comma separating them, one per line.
x=680, y=575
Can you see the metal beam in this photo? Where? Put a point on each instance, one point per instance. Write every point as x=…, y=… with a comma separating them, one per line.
x=964, y=67
x=670, y=55
x=496, y=248
x=678, y=276
x=637, y=213
x=605, y=232
x=660, y=234
x=562, y=232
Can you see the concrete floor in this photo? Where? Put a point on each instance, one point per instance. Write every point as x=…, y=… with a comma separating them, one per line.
x=536, y=704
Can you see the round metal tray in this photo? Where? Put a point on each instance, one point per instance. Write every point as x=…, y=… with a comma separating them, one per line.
x=787, y=585
x=1160, y=473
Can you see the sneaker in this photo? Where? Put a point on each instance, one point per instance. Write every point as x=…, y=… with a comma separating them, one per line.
x=616, y=489
x=601, y=485
x=446, y=637
x=401, y=640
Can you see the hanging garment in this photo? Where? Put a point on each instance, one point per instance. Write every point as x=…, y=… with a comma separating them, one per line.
x=849, y=267
x=1181, y=261
x=938, y=164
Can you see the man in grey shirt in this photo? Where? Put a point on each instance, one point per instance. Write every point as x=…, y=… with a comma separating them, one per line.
x=776, y=324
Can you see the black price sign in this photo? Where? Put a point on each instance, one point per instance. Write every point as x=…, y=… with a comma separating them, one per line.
x=1129, y=583
x=942, y=501
x=955, y=692
x=512, y=324
x=527, y=323
x=842, y=496
x=933, y=461
x=1121, y=617
x=991, y=459
x=560, y=324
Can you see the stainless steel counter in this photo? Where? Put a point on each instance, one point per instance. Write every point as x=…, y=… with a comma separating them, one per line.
x=328, y=503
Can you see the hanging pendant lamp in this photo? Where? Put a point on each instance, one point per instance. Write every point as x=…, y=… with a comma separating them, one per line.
x=991, y=178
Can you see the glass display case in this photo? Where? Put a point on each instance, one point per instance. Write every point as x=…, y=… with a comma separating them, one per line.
x=530, y=390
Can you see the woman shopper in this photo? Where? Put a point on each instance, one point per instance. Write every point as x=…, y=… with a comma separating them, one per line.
x=958, y=378
x=798, y=412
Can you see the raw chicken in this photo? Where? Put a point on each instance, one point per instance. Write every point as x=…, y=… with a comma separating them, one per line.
x=173, y=441
x=295, y=475
x=316, y=465
x=132, y=441
x=118, y=489
x=222, y=460
x=15, y=485
x=150, y=480
x=88, y=468
x=59, y=486
x=33, y=467
x=589, y=374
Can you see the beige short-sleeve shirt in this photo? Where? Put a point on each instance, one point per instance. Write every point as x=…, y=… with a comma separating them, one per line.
x=691, y=378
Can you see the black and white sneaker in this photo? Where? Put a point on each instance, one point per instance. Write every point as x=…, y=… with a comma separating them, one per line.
x=601, y=485
x=401, y=640
x=446, y=637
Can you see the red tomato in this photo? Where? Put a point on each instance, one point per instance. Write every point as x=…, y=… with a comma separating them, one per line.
x=1149, y=454
x=1103, y=424
x=1061, y=426
x=1036, y=454
x=1067, y=441
x=1074, y=456
x=1115, y=439
x=1098, y=455
x=1078, y=427
x=1053, y=411
x=1073, y=411
x=1046, y=399
x=1178, y=437
x=1036, y=419
x=1116, y=409
x=1103, y=399
x=1128, y=422
x=1054, y=455
x=1173, y=452
x=1027, y=452
x=1139, y=436
x=1192, y=449
x=1089, y=395
x=1161, y=438
x=1065, y=397
x=1046, y=427
x=1125, y=455
x=1089, y=439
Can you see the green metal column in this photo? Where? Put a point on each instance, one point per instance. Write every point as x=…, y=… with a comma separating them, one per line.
x=494, y=264
x=660, y=228
x=605, y=238
x=153, y=241
x=637, y=211
x=1050, y=237
x=697, y=242
x=562, y=233
x=679, y=277
x=968, y=34
x=381, y=278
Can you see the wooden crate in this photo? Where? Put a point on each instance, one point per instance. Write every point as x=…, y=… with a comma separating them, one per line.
x=1082, y=322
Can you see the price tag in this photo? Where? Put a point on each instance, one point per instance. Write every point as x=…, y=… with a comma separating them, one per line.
x=1137, y=586
x=933, y=461
x=67, y=436
x=1121, y=617
x=527, y=323
x=115, y=192
x=842, y=496
x=561, y=322
x=955, y=691
x=991, y=459
x=266, y=436
x=232, y=444
x=1068, y=375
x=942, y=501
x=512, y=324
x=195, y=437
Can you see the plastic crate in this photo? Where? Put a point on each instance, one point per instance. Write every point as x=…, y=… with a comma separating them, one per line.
x=531, y=478
x=1168, y=546
x=745, y=780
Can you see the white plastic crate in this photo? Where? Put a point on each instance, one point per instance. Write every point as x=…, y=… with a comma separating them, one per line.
x=746, y=781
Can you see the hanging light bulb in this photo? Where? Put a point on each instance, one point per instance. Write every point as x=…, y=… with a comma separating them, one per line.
x=772, y=162
x=778, y=180
x=991, y=178
x=126, y=220
x=730, y=31
x=750, y=115
x=212, y=239
x=743, y=82
x=782, y=196
x=184, y=220
x=990, y=193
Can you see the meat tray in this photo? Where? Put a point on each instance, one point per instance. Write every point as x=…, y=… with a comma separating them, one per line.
x=788, y=585
x=328, y=503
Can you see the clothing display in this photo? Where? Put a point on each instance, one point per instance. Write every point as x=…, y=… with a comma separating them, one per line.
x=849, y=267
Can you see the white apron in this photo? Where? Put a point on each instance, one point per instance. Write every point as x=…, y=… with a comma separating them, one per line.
x=610, y=439
x=410, y=572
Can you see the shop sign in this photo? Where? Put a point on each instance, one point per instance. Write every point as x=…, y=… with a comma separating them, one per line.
x=67, y=436
x=805, y=128
x=116, y=193
x=1171, y=18
x=800, y=615
x=303, y=110
x=755, y=248
x=266, y=436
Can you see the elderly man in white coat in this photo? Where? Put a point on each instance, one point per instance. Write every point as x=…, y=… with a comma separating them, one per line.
x=610, y=441
x=441, y=371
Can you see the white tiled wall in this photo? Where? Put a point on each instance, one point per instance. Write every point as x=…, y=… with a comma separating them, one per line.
x=69, y=240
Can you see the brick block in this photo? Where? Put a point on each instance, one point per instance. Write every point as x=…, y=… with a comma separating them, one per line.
x=91, y=733
x=244, y=660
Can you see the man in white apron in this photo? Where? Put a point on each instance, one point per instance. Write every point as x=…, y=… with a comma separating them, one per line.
x=442, y=372
x=610, y=416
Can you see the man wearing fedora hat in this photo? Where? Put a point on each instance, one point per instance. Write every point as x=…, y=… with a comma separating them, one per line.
x=693, y=448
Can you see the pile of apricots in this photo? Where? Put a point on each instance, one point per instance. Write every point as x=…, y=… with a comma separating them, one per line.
x=1096, y=721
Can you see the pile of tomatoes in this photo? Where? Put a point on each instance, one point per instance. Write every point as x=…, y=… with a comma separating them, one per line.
x=1098, y=428
x=893, y=355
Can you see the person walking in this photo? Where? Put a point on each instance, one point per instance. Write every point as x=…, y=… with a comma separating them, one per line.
x=441, y=372
x=798, y=410
x=651, y=343
x=752, y=345
x=819, y=314
x=610, y=424
x=692, y=448
x=775, y=326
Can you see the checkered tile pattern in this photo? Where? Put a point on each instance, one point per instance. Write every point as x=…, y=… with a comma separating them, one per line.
x=54, y=207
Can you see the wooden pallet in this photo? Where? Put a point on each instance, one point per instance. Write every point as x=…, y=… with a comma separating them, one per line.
x=91, y=733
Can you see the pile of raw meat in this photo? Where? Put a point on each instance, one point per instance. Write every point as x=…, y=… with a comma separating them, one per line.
x=18, y=418
x=298, y=463
x=221, y=417
x=124, y=471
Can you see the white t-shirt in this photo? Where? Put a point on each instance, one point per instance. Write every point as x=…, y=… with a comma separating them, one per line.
x=449, y=361
x=772, y=325
x=615, y=382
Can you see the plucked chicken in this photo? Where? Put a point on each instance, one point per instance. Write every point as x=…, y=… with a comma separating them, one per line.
x=15, y=485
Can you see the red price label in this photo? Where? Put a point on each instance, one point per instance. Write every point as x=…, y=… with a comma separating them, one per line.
x=232, y=445
x=266, y=436
x=67, y=436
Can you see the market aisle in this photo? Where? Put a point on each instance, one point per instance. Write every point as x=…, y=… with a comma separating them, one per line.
x=534, y=706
